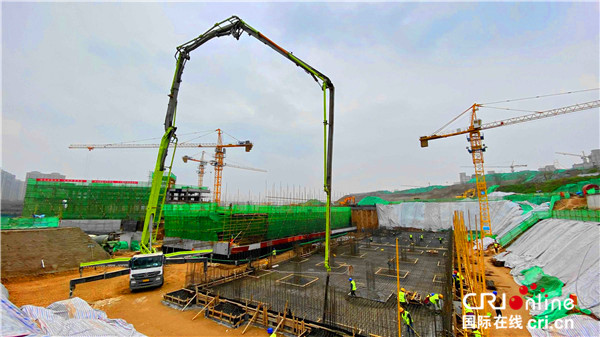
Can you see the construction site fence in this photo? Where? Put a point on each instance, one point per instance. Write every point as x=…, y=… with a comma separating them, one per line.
x=579, y=215
x=248, y=223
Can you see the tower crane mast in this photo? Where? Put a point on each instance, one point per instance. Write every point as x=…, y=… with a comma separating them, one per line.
x=476, y=149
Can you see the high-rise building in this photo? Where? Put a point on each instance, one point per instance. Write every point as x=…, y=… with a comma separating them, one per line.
x=12, y=188
x=40, y=175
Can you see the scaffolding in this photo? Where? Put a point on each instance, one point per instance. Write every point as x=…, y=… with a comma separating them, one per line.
x=245, y=224
x=86, y=199
x=470, y=264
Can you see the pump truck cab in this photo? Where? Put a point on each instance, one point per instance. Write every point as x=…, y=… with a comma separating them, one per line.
x=146, y=271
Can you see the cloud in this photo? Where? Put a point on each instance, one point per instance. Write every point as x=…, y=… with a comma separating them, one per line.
x=100, y=72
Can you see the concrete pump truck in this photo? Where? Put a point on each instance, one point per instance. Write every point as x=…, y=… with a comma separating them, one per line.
x=146, y=269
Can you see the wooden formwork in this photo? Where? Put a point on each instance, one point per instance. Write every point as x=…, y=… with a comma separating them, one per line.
x=364, y=219
x=257, y=312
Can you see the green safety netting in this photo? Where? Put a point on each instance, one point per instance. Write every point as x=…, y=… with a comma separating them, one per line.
x=536, y=198
x=492, y=188
x=5, y=219
x=248, y=223
x=545, y=284
x=522, y=176
x=372, y=200
x=550, y=286
x=525, y=207
x=135, y=246
x=578, y=214
x=88, y=200
x=576, y=187
x=477, y=235
x=24, y=223
x=120, y=245
x=523, y=226
x=421, y=189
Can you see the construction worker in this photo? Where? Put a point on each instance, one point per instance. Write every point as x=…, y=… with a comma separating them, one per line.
x=271, y=333
x=457, y=278
x=475, y=333
x=435, y=299
x=274, y=253
x=402, y=296
x=407, y=318
x=410, y=236
x=468, y=310
x=421, y=237
x=441, y=239
x=496, y=246
x=352, y=287
x=497, y=304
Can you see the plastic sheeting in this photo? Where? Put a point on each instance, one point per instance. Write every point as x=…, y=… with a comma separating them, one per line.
x=75, y=317
x=13, y=322
x=72, y=317
x=437, y=216
x=565, y=249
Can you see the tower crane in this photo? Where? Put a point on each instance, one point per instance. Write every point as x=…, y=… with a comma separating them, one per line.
x=511, y=166
x=582, y=156
x=476, y=149
x=220, y=150
x=202, y=164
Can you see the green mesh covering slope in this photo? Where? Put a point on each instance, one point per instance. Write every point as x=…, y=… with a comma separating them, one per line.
x=372, y=200
x=24, y=223
x=492, y=188
x=421, y=189
x=574, y=188
x=523, y=176
x=248, y=223
x=537, y=198
x=86, y=199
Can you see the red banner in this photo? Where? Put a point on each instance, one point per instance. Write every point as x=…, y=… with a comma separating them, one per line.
x=114, y=182
x=62, y=180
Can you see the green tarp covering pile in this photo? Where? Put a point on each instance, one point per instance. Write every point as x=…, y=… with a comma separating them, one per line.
x=135, y=246
x=25, y=223
x=372, y=200
x=120, y=246
x=550, y=285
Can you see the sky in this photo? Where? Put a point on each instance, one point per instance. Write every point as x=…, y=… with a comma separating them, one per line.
x=101, y=72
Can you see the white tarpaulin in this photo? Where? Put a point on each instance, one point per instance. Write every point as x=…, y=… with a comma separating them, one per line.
x=436, y=216
x=566, y=249
x=72, y=317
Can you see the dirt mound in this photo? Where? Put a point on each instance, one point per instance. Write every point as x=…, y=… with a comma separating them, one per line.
x=60, y=249
x=571, y=203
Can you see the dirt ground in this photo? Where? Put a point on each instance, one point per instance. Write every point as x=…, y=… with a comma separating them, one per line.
x=505, y=284
x=571, y=203
x=143, y=309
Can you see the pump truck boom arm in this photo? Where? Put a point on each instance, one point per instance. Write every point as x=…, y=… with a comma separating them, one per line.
x=232, y=26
